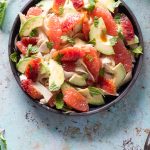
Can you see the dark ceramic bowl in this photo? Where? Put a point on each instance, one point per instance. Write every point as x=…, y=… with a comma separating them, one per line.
x=110, y=100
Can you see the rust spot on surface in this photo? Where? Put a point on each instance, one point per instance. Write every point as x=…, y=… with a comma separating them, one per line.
x=37, y=146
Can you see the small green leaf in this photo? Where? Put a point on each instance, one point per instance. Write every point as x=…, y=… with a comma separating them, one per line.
x=53, y=87
x=96, y=21
x=32, y=49
x=13, y=57
x=59, y=57
x=61, y=10
x=3, y=140
x=95, y=91
x=59, y=101
x=68, y=39
x=50, y=45
x=102, y=72
x=117, y=18
x=93, y=42
x=3, y=6
x=90, y=7
x=138, y=50
x=33, y=33
x=113, y=40
x=89, y=57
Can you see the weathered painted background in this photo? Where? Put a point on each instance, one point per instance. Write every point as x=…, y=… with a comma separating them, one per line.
x=124, y=127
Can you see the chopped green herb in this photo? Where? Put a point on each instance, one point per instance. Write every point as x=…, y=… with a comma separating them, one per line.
x=3, y=140
x=68, y=39
x=53, y=87
x=30, y=67
x=117, y=18
x=95, y=91
x=33, y=33
x=61, y=10
x=89, y=57
x=138, y=50
x=59, y=101
x=91, y=5
x=113, y=41
x=32, y=49
x=102, y=72
x=50, y=45
x=96, y=21
x=3, y=6
x=13, y=57
x=59, y=57
x=93, y=42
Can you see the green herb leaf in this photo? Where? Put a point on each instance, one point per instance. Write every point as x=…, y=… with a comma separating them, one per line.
x=117, y=18
x=13, y=57
x=102, y=72
x=113, y=40
x=59, y=57
x=93, y=42
x=32, y=49
x=3, y=140
x=33, y=33
x=3, y=6
x=50, y=45
x=138, y=50
x=59, y=101
x=61, y=10
x=53, y=87
x=95, y=91
x=68, y=39
x=89, y=57
x=96, y=21
x=90, y=7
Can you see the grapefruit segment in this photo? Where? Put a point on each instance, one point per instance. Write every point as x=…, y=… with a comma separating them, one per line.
x=108, y=19
x=74, y=99
x=57, y=5
x=34, y=11
x=78, y=4
x=122, y=55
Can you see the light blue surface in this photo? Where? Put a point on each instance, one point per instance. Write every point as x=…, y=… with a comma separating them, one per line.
x=124, y=127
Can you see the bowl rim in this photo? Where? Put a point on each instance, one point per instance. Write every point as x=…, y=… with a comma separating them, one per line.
x=98, y=109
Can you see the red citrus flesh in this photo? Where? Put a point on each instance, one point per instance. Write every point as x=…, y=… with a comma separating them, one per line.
x=34, y=11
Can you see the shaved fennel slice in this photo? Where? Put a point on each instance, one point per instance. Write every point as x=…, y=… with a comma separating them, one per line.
x=81, y=63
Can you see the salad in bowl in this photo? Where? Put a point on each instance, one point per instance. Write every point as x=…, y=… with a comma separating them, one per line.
x=73, y=54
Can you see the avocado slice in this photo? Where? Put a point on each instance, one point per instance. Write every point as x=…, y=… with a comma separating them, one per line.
x=93, y=100
x=22, y=64
x=30, y=24
x=98, y=33
x=56, y=78
x=119, y=74
x=77, y=80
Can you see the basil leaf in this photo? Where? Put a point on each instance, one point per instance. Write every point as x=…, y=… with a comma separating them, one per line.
x=3, y=140
x=50, y=45
x=61, y=10
x=13, y=57
x=102, y=72
x=113, y=40
x=32, y=49
x=96, y=21
x=33, y=33
x=59, y=101
x=91, y=5
x=138, y=50
x=117, y=18
x=3, y=6
x=95, y=91
x=59, y=57
x=93, y=42
x=68, y=39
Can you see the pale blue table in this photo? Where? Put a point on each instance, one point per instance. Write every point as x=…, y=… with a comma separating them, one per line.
x=27, y=127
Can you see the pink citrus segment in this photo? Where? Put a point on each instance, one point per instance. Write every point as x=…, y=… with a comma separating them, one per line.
x=75, y=100
x=122, y=55
x=54, y=31
x=34, y=11
x=78, y=4
x=57, y=5
x=127, y=28
x=108, y=19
